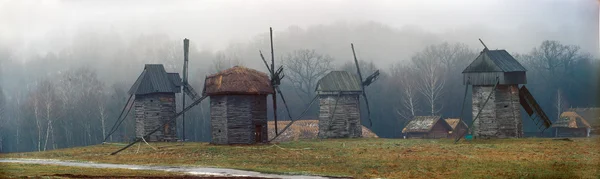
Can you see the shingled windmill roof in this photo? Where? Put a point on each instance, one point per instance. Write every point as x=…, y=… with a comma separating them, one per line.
x=154, y=79
x=424, y=124
x=336, y=81
x=238, y=80
x=495, y=61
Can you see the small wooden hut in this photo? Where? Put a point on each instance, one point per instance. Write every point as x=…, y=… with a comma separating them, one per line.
x=501, y=115
x=238, y=105
x=154, y=102
x=339, y=113
x=427, y=127
x=458, y=127
x=571, y=124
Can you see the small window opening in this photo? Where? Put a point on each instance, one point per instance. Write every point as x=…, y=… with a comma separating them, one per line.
x=505, y=106
x=151, y=100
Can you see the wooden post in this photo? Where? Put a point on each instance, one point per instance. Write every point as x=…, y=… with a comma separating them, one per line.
x=186, y=46
x=273, y=78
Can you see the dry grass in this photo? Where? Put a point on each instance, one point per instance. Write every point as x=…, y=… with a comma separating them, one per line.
x=366, y=158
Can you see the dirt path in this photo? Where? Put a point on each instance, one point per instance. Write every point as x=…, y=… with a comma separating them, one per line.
x=199, y=171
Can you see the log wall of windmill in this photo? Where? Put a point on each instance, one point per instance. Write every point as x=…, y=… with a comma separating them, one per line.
x=346, y=121
x=151, y=112
x=500, y=118
x=238, y=119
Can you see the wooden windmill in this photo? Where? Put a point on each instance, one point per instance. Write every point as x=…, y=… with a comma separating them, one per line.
x=167, y=121
x=339, y=95
x=495, y=77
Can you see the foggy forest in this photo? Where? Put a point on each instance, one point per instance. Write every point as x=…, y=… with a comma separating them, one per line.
x=64, y=79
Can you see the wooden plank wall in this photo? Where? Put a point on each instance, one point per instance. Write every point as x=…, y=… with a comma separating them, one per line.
x=508, y=111
x=234, y=118
x=151, y=111
x=438, y=131
x=501, y=117
x=345, y=122
x=485, y=126
x=218, y=119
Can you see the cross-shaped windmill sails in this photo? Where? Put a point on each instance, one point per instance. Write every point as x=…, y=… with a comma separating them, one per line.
x=187, y=88
x=368, y=81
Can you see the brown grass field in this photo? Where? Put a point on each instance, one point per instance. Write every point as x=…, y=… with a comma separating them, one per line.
x=362, y=158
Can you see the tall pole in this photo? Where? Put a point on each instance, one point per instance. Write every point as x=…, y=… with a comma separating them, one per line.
x=186, y=46
x=272, y=82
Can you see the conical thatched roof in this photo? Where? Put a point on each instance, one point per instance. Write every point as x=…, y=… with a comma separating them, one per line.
x=571, y=119
x=305, y=129
x=238, y=80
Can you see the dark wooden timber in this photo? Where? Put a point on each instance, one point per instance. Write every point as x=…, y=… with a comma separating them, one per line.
x=272, y=78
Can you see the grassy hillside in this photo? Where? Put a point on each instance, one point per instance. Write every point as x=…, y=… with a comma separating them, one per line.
x=367, y=157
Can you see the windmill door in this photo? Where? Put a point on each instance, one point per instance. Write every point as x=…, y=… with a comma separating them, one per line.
x=258, y=133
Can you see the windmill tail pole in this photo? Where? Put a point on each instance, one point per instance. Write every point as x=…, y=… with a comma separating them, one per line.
x=163, y=125
x=116, y=125
x=294, y=120
x=480, y=109
x=462, y=109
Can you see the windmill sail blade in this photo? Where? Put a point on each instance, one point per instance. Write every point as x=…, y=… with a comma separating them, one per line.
x=356, y=62
x=368, y=109
x=371, y=78
x=190, y=92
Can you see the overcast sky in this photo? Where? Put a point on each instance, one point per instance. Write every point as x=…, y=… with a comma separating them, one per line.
x=215, y=23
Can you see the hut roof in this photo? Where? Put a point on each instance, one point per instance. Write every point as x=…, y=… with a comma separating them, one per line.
x=454, y=122
x=494, y=61
x=571, y=119
x=336, y=81
x=238, y=80
x=154, y=79
x=424, y=124
x=591, y=115
x=305, y=129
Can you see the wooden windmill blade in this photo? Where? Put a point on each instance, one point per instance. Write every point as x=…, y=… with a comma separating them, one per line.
x=367, y=82
x=187, y=88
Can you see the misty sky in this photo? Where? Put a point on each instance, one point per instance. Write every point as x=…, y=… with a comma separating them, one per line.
x=212, y=24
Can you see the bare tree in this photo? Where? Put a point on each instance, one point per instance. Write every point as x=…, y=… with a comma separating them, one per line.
x=50, y=104
x=560, y=103
x=405, y=78
x=223, y=61
x=431, y=80
x=303, y=68
x=35, y=104
x=554, y=61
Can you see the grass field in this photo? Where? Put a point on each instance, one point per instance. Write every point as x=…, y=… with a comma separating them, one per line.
x=367, y=158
